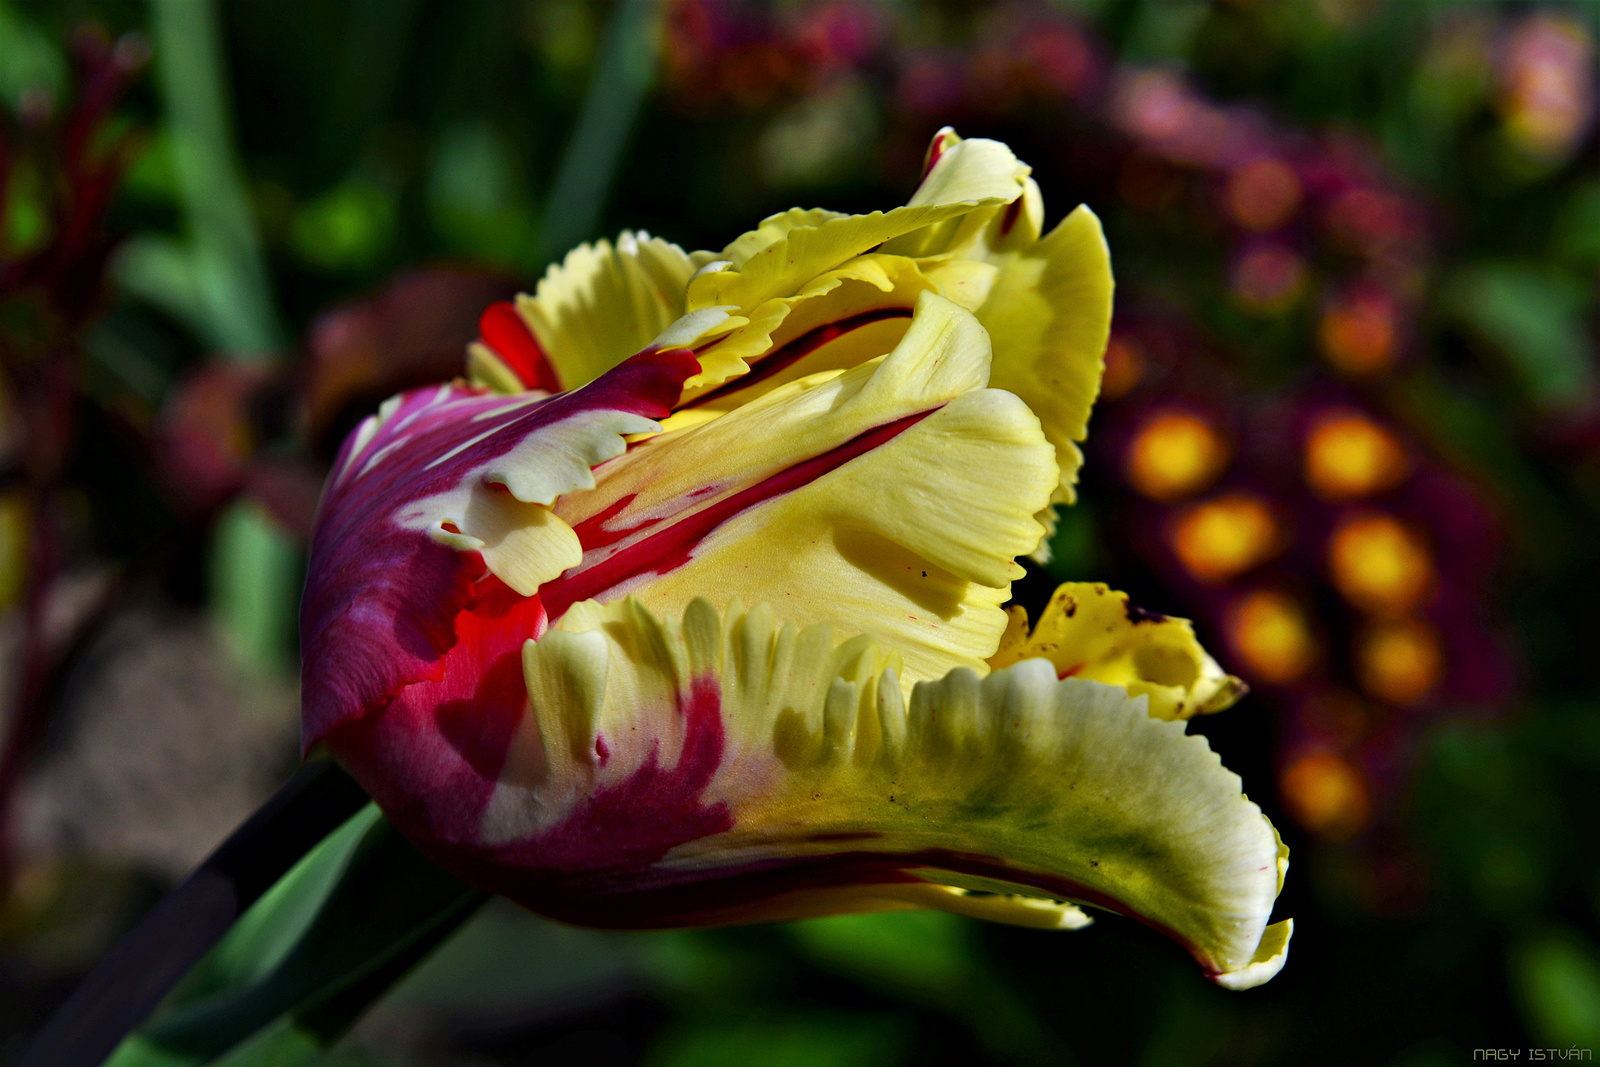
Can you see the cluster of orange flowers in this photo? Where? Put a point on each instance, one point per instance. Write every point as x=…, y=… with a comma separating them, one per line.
x=1342, y=563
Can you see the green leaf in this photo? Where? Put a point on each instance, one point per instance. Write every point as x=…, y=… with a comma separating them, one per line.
x=266, y=933
x=802, y=1040
x=928, y=957
x=230, y=273
x=347, y=228
x=29, y=59
x=1577, y=230
x=1557, y=975
x=258, y=1000
x=1535, y=318
x=255, y=586
x=622, y=76
x=927, y=952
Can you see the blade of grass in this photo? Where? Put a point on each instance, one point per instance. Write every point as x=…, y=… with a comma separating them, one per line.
x=622, y=76
x=229, y=272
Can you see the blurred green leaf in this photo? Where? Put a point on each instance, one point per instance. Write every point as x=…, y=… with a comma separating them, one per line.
x=1075, y=553
x=29, y=59
x=349, y=227
x=161, y=270
x=1192, y=1028
x=566, y=33
x=706, y=966
x=1556, y=975
x=26, y=225
x=229, y=276
x=1535, y=318
x=1493, y=812
x=1577, y=228
x=152, y=174
x=810, y=1040
x=623, y=74
x=255, y=586
x=930, y=952
x=927, y=957
x=1164, y=29
x=476, y=194
x=376, y=37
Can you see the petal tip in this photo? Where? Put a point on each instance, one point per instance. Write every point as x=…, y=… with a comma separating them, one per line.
x=1270, y=956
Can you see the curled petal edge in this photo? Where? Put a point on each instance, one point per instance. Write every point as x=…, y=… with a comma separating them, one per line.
x=779, y=773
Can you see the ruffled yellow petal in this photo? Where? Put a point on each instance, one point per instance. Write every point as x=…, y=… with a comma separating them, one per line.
x=1038, y=789
x=773, y=229
x=909, y=537
x=1049, y=313
x=838, y=320
x=1088, y=631
x=980, y=233
x=798, y=246
x=524, y=544
x=794, y=246
x=604, y=302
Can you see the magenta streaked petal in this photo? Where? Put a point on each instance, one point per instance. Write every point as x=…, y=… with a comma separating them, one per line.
x=386, y=577
x=733, y=768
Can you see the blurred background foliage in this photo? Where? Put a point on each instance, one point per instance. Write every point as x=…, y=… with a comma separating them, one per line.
x=1350, y=425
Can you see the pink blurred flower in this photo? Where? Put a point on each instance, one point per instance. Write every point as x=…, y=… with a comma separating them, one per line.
x=1546, y=77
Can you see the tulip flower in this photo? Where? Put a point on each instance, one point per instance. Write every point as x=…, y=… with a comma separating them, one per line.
x=688, y=607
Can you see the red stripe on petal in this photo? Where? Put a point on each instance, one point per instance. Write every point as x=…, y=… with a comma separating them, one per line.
x=799, y=348
x=508, y=335
x=1009, y=218
x=674, y=546
x=936, y=149
x=480, y=727
x=593, y=532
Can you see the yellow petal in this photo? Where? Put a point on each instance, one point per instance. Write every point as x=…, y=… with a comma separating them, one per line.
x=838, y=320
x=980, y=233
x=773, y=229
x=1268, y=960
x=913, y=539
x=972, y=174
x=1039, y=789
x=523, y=544
x=1049, y=313
x=488, y=371
x=966, y=281
x=605, y=302
x=1088, y=631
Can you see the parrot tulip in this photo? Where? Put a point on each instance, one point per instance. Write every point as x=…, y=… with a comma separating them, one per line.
x=688, y=605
